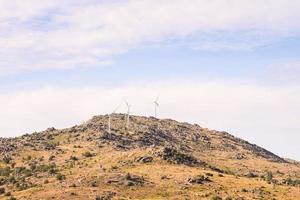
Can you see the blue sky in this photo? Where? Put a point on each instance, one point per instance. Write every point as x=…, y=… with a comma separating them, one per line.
x=173, y=61
x=226, y=65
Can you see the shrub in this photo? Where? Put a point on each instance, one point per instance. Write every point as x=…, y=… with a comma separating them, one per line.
x=251, y=175
x=2, y=181
x=23, y=171
x=22, y=186
x=88, y=154
x=74, y=158
x=209, y=174
x=51, y=158
x=47, y=168
x=28, y=157
x=216, y=198
x=199, y=179
x=73, y=185
x=7, y=194
x=98, y=198
x=94, y=184
x=2, y=191
x=5, y=171
x=7, y=159
x=12, y=164
x=269, y=176
x=291, y=182
x=12, y=180
x=60, y=177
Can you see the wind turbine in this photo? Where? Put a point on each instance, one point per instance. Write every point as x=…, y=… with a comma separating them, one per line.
x=156, y=105
x=128, y=113
x=109, y=119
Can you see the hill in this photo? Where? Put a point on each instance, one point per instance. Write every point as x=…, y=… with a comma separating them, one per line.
x=151, y=159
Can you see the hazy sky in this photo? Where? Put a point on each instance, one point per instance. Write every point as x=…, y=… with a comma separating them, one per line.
x=231, y=65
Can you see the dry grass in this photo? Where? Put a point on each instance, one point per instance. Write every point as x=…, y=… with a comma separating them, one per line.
x=88, y=177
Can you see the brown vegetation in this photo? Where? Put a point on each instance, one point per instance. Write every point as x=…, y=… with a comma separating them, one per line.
x=152, y=159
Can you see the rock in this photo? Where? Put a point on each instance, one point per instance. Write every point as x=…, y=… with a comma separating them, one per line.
x=128, y=180
x=145, y=159
x=132, y=180
x=50, y=129
x=173, y=156
x=106, y=196
x=200, y=179
x=240, y=156
x=251, y=175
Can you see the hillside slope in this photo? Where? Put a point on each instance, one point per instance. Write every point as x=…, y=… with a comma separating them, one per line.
x=151, y=159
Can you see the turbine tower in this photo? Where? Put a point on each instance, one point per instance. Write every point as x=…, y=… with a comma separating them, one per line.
x=109, y=119
x=128, y=113
x=156, y=105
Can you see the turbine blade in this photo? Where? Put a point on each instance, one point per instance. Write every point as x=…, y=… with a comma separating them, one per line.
x=157, y=98
x=115, y=110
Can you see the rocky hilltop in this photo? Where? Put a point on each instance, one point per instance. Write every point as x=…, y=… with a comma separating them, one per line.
x=150, y=159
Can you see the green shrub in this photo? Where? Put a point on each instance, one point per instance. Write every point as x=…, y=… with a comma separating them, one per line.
x=216, y=197
x=21, y=186
x=269, y=176
x=88, y=154
x=12, y=180
x=60, y=177
x=47, y=168
x=5, y=171
x=291, y=182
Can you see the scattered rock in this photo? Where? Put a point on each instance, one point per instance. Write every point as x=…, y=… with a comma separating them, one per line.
x=164, y=177
x=200, y=179
x=127, y=180
x=106, y=196
x=145, y=159
x=251, y=175
x=173, y=156
x=240, y=156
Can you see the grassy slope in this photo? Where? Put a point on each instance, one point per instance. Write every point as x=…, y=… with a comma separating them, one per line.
x=88, y=177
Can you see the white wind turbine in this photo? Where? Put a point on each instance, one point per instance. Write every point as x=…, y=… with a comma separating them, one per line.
x=109, y=119
x=156, y=105
x=128, y=113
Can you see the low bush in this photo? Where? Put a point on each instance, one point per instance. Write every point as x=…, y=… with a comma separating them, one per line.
x=291, y=182
x=2, y=191
x=88, y=154
x=60, y=177
x=5, y=171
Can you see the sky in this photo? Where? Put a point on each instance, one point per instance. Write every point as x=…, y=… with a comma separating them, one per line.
x=228, y=65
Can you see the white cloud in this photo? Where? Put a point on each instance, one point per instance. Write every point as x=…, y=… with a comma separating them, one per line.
x=284, y=71
x=268, y=116
x=63, y=34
